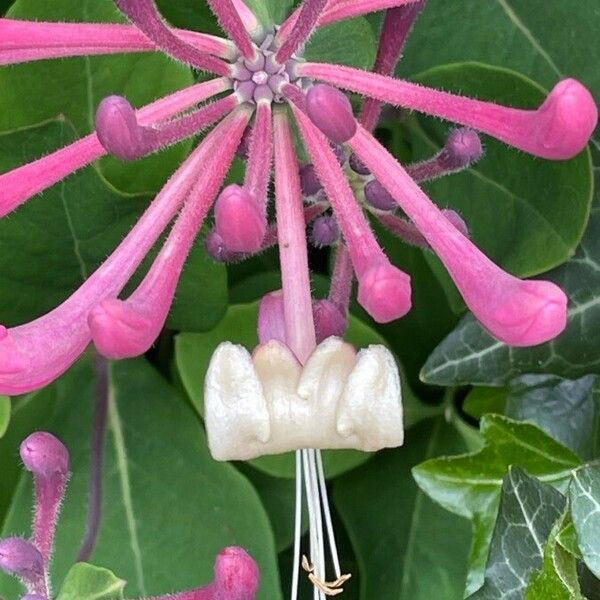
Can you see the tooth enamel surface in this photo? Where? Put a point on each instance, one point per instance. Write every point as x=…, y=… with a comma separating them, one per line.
x=268, y=404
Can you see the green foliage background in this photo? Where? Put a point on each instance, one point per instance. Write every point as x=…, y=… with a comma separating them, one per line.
x=496, y=493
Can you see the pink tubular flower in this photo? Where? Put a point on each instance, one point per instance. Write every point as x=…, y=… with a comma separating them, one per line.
x=256, y=72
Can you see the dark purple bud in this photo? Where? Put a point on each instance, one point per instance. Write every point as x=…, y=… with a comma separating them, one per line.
x=309, y=182
x=21, y=558
x=244, y=147
x=329, y=320
x=216, y=249
x=325, y=231
x=378, y=197
x=44, y=455
x=357, y=165
x=236, y=575
x=331, y=111
x=117, y=128
x=340, y=154
x=463, y=148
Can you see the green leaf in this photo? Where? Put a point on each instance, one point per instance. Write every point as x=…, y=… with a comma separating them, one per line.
x=4, y=414
x=567, y=538
x=194, y=351
x=528, y=511
x=470, y=355
x=190, y=14
x=169, y=508
x=484, y=400
x=86, y=582
x=55, y=241
x=558, y=579
x=568, y=411
x=469, y=485
x=407, y=546
x=33, y=92
x=527, y=214
x=544, y=39
x=584, y=495
x=349, y=43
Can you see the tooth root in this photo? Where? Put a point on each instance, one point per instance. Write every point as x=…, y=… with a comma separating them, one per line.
x=235, y=409
x=371, y=406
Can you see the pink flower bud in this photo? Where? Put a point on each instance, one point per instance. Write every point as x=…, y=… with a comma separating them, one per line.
x=463, y=148
x=331, y=111
x=384, y=292
x=22, y=559
x=236, y=575
x=325, y=231
x=329, y=320
x=217, y=250
x=33, y=597
x=240, y=220
x=117, y=128
x=44, y=455
x=271, y=318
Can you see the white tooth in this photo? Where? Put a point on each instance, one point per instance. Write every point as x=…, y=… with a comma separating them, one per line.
x=371, y=406
x=235, y=410
x=322, y=383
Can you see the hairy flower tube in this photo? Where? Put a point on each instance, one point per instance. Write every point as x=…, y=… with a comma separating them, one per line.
x=236, y=574
x=257, y=71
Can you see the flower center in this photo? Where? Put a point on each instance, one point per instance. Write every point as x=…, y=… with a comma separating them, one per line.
x=262, y=78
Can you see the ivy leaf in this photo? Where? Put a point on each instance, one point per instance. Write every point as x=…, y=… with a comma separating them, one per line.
x=406, y=545
x=471, y=355
x=193, y=352
x=470, y=485
x=483, y=400
x=169, y=507
x=36, y=91
x=528, y=511
x=527, y=214
x=584, y=495
x=87, y=582
x=568, y=411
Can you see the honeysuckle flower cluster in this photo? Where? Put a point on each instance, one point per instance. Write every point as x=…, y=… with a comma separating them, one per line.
x=261, y=82
x=47, y=459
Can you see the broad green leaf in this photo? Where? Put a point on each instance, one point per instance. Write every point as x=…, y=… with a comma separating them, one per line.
x=566, y=410
x=558, y=579
x=56, y=240
x=567, y=538
x=407, y=547
x=349, y=43
x=484, y=400
x=4, y=414
x=190, y=14
x=584, y=495
x=525, y=213
x=470, y=355
x=528, y=511
x=544, y=39
x=33, y=92
x=87, y=582
x=469, y=485
x=194, y=351
x=169, y=507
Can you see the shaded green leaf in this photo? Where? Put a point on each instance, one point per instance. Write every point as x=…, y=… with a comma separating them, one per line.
x=33, y=92
x=407, y=546
x=528, y=511
x=469, y=485
x=584, y=495
x=484, y=400
x=169, y=508
x=471, y=355
x=4, y=414
x=87, y=582
x=567, y=538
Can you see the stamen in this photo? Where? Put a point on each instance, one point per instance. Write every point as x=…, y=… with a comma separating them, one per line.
x=20, y=184
x=124, y=329
x=23, y=41
x=396, y=28
x=519, y=313
x=120, y=133
x=559, y=129
x=384, y=290
x=144, y=15
x=232, y=24
x=303, y=27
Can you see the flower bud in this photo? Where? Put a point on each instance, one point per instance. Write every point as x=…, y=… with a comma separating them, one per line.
x=309, y=182
x=463, y=148
x=357, y=165
x=329, y=320
x=271, y=318
x=236, y=575
x=331, y=111
x=117, y=128
x=44, y=455
x=216, y=249
x=325, y=231
x=21, y=558
x=378, y=197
